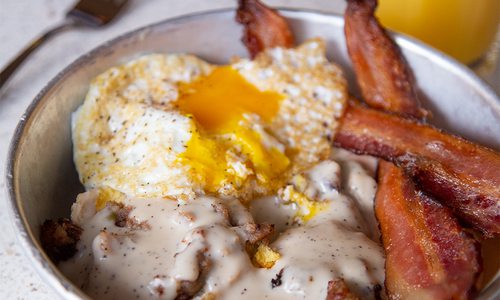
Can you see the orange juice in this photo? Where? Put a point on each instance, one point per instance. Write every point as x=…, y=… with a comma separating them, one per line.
x=462, y=28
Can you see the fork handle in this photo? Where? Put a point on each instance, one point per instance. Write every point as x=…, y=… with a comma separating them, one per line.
x=9, y=70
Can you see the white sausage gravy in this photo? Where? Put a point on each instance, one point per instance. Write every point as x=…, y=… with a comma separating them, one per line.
x=164, y=249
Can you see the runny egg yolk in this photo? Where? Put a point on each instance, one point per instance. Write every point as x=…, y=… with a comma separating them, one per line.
x=223, y=136
x=224, y=95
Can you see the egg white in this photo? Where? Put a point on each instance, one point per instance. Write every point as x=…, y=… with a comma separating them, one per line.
x=129, y=136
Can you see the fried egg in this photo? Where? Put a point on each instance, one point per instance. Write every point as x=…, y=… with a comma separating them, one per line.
x=175, y=126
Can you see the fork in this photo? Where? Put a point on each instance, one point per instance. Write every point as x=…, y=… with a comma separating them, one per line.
x=90, y=13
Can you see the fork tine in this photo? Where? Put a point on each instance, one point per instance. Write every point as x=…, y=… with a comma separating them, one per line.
x=96, y=12
x=93, y=13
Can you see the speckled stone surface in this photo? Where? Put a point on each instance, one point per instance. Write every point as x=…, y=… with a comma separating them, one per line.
x=20, y=21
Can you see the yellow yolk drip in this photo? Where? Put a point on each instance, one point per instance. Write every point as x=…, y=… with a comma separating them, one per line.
x=306, y=208
x=107, y=195
x=207, y=160
x=218, y=103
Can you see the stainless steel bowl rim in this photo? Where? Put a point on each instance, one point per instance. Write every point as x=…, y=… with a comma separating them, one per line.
x=63, y=286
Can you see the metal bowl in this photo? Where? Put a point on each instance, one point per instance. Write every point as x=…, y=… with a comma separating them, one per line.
x=42, y=180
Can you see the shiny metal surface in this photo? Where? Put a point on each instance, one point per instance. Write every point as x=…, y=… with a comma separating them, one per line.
x=42, y=180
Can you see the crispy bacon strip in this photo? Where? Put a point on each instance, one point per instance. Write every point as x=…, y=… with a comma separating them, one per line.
x=428, y=255
x=385, y=78
x=264, y=27
x=402, y=213
x=460, y=174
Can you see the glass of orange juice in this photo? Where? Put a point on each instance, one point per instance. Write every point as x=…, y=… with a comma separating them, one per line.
x=462, y=28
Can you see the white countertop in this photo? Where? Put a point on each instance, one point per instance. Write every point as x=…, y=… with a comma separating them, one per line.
x=22, y=20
